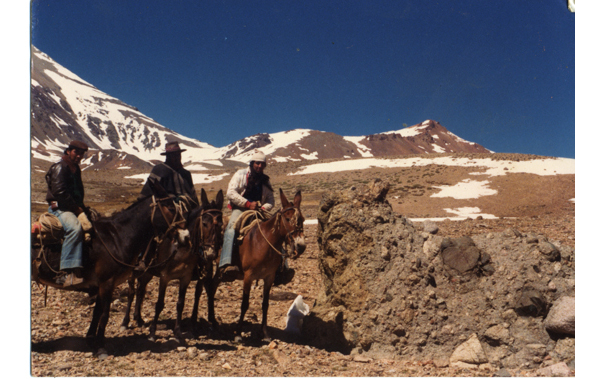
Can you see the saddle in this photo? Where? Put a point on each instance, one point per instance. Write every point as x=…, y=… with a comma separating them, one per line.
x=247, y=221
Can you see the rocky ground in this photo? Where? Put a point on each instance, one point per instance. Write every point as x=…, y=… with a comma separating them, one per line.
x=59, y=319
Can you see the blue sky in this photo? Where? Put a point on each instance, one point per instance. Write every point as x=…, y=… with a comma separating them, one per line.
x=499, y=73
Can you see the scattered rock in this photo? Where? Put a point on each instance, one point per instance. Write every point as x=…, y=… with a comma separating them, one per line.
x=557, y=370
x=469, y=352
x=430, y=227
x=460, y=254
x=561, y=317
x=531, y=303
x=497, y=334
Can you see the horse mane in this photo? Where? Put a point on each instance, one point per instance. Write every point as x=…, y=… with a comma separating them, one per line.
x=135, y=204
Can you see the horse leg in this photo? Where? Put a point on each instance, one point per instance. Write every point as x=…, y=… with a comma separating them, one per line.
x=130, y=296
x=197, y=295
x=140, y=294
x=183, y=286
x=105, y=298
x=211, y=284
x=265, y=306
x=91, y=333
x=160, y=304
x=245, y=302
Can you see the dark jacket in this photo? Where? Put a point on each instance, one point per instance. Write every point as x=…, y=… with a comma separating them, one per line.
x=175, y=181
x=65, y=185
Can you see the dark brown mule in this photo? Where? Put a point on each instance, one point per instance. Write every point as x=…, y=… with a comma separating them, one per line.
x=117, y=243
x=180, y=259
x=261, y=254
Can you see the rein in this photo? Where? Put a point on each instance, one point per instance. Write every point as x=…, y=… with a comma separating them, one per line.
x=295, y=228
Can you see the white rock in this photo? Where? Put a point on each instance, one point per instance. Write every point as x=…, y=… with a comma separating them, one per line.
x=469, y=351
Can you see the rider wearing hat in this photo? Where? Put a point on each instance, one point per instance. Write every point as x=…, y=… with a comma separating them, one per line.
x=249, y=189
x=176, y=180
x=65, y=199
x=171, y=175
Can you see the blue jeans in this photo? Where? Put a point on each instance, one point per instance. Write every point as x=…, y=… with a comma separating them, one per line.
x=228, y=239
x=71, y=255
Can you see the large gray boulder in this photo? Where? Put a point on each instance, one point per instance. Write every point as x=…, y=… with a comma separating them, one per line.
x=391, y=290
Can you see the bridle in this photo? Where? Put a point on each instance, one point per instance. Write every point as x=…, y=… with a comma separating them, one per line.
x=202, y=244
x=294, y=222
x=180, y=210
x=294, y=227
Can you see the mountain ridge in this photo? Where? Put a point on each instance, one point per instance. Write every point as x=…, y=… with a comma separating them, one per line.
x=65, y=107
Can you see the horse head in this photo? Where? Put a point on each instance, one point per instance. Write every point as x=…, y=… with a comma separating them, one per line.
x=174, y=213
x=293, y=224
x=208, y=227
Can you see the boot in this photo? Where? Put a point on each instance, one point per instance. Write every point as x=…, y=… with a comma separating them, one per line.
x=73, y=279
x=230, y=273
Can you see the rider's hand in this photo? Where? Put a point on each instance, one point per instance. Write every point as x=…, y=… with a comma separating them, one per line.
x=253, y=205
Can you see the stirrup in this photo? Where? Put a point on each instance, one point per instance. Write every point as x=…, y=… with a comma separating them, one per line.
x=71, y=280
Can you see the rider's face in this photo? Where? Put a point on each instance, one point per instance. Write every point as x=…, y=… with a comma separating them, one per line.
x=76, y=155
x=259, y=167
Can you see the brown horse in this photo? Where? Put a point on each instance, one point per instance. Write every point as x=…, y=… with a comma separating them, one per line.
x=180, y=260
x=261, y=255
x=117, y=243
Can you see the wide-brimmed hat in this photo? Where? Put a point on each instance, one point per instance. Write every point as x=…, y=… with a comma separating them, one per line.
x=79, y=145
x=258, y=156
x=172, y=147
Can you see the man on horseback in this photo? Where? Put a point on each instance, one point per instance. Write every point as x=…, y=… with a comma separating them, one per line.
x=171, y=175
x=248, y=189
x=65, y=198
x=176, y=180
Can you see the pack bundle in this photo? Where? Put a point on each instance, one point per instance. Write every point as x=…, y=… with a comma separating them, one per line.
x=47, y=229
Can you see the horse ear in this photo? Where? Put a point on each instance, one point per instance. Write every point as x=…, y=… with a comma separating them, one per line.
x=297, y=199
x=204, y=198
x=220, y=199
x=284, y=201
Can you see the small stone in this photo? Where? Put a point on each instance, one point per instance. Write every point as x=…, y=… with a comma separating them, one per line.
x=560, y=369
x=273, y=345
x=362, y=359
x=385, y=254
x=192, y=352
x=226, y=366
x=502, y=373
x=430, y=227
x=469, y=352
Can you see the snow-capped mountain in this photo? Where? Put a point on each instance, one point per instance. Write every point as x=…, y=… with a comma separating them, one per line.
x=65, y=107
